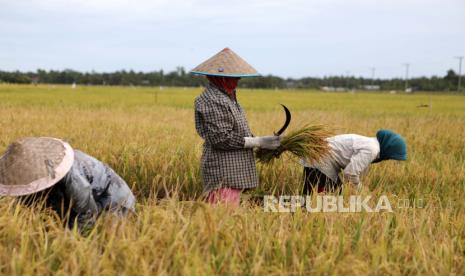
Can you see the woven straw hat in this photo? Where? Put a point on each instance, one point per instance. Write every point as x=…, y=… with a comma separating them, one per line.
x=225, y=64
x=34, y=164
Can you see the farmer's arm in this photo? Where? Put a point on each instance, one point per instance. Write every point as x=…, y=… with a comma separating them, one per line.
x=217, y=123
x=79, y=191
x=358, y=164
x=117, y=196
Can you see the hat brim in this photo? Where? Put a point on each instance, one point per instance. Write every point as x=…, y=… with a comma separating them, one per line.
x=226, y=75
x=45, y=182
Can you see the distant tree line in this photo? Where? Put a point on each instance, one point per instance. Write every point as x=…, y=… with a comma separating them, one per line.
x=181, y=78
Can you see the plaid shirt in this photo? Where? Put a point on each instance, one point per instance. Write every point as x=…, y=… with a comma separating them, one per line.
x=221, y=122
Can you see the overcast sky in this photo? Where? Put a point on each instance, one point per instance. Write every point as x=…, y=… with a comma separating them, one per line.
x=289, y=38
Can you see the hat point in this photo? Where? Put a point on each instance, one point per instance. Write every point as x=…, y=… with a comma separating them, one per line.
x=225, y=63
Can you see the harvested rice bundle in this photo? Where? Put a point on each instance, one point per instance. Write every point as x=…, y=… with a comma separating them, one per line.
x=309, y=142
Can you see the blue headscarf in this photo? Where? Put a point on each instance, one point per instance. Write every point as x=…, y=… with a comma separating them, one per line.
x=392, y=146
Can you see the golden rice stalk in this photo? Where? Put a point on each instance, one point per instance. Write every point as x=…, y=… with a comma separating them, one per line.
x=308, y=142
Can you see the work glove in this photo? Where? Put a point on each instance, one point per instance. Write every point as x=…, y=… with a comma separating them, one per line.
x=263, y=142
x=354, y=180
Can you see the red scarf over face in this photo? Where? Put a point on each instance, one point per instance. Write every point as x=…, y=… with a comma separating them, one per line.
x=226, y=84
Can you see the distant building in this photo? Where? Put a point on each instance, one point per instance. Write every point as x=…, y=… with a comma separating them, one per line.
x=333, y=89
x=35, y=80
x=291, y=84
x=371, y=87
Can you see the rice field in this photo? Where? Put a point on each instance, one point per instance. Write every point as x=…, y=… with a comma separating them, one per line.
x=148, y=136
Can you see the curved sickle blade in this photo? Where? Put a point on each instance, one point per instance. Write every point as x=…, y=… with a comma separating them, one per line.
x=286, y=123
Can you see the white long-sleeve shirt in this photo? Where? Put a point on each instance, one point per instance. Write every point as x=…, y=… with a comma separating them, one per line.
x=351, y=154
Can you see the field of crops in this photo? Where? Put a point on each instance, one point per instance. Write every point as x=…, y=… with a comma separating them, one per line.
x=148, y=136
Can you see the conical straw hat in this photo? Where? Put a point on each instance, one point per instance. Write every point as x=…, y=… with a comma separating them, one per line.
x=226, y=64
x=34, y=164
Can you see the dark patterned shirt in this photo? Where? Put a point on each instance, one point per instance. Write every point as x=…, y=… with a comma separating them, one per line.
x=221, y=122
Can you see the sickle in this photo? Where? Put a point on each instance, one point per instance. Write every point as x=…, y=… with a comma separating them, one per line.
x=286, y=124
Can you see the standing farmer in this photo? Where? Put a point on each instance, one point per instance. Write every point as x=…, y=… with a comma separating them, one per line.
x=350, y=157
x=228, y=164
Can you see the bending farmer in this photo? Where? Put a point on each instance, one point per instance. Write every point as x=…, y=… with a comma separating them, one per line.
x=350, y=158
x=69, y=181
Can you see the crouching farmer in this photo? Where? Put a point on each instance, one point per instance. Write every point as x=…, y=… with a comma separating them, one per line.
x=350, y=158
x=228, y=164
x=69, y=181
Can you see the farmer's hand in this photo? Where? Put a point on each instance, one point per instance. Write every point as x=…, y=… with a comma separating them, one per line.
x=354, y=182
x=263, y=142
x=352, y=179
